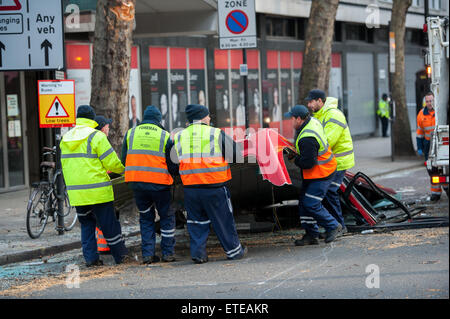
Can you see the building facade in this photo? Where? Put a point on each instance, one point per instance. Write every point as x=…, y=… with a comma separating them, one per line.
x=176, y=60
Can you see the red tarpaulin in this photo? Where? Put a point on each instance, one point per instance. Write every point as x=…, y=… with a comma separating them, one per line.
x=267, y=146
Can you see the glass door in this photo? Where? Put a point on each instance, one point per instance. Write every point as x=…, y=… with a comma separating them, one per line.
x=12, y=168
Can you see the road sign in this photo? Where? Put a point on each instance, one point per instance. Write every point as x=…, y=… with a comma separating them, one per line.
x=56, y=103
x=243, y=69
x=391, y=52
x=237, y=24
x=31, y=35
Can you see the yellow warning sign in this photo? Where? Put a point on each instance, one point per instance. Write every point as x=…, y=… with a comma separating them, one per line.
x=56, y=103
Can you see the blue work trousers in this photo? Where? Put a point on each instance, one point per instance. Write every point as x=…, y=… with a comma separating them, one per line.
x=147, y=202
x=311, y=210
x=102, y=215
x=211, y=206
x=331, y=200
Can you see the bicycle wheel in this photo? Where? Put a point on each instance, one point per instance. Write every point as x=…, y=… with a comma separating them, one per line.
x=70, y=213
x=37, y=215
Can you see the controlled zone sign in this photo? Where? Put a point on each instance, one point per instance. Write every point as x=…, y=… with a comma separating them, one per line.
x=56, y=103
x=31, y=35
x=237, y=24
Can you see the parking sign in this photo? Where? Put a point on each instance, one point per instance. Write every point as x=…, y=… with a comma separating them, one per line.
x=237, y=24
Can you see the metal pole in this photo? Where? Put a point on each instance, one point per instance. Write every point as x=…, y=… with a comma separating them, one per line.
x=244, y=57
x=59, y=185
x=391, y=102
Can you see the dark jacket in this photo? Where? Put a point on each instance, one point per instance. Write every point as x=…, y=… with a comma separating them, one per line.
x=172, y=167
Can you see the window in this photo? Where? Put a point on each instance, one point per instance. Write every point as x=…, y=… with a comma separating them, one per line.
x=280, y=27
x=337, y=36
x=415, y=3
x=416, y=37
x=381, y=34
x=356, y=32
x=302, y=23
x=434, y=4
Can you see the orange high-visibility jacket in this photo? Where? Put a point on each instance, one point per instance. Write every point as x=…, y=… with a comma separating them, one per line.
x=146, y=155
x=326, y=162
x=425, y=124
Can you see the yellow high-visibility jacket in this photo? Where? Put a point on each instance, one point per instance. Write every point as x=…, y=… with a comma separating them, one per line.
x=337, y=133
x=86, y=157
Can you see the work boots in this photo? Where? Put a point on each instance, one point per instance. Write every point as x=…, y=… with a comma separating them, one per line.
x=306, y=240
x=94, y=263
x=332, y=234
x=147, y=260
x=168, y=258
x=200, y=260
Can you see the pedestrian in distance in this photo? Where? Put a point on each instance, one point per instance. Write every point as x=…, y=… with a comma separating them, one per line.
x=148, y=170
x=318, y=166
x=202, y=151
x=383, y=114
x=86, y=158
x=339, y=138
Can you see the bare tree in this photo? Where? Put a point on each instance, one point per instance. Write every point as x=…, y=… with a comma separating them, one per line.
x=401, y=127
x=114, y=22
x=317, y=56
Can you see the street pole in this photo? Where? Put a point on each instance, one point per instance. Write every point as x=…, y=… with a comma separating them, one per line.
x=59, y=184
x=244, y=58
x=59, y=178
x=391, y=63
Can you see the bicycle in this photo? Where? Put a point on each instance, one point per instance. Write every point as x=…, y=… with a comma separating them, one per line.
x=43, y=200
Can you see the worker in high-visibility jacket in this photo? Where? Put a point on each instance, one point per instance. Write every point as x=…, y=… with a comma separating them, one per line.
x=148, y=170
x=86, y=158
x=318, y=166
x=337, y=132
x=425, y=127
x=384, y=114
x=204, y=153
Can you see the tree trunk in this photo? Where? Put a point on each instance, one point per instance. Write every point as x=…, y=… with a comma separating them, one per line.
x=111, y=61
x=400, y=127
x=317, y=56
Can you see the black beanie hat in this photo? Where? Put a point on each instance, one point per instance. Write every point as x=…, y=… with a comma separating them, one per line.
x=196, y=112
x=86, y=111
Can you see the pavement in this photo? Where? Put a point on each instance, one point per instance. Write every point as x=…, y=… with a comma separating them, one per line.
x=373, y=157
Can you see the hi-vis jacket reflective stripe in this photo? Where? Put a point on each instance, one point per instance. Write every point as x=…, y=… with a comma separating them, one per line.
x=146, y=155
x=337, y=133
x=200, y=154
x=425, y=124
x=86, y=156
x=326, y=163
x=383, y=109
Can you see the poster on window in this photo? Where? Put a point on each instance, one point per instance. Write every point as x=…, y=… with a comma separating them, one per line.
x=79, y=69
x=222, y=93
x=197, y=76
x=178, y=85
x=335, y=85
x=297, y=61
x=271, y=92
x=286, y=92
x=135, y=101
x=254, y=96
x=159, y=82
x=237, y=90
